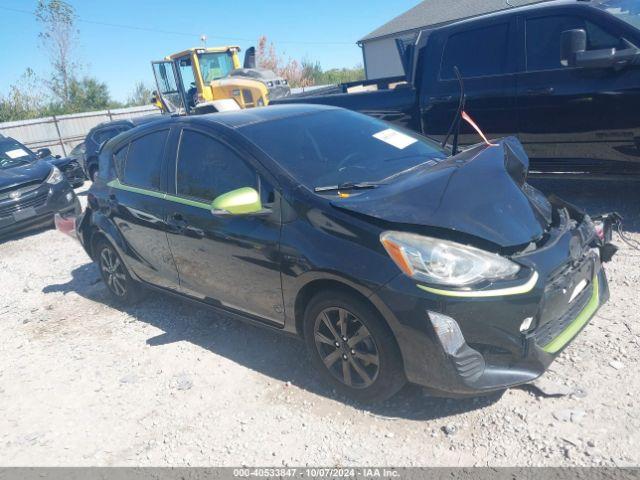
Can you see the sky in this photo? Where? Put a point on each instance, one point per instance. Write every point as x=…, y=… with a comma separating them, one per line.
x=322, y=30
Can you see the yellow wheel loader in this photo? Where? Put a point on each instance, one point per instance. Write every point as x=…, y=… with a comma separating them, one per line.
x=198, y=80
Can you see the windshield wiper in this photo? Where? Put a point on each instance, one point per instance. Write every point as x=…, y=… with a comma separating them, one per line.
x=348, y=186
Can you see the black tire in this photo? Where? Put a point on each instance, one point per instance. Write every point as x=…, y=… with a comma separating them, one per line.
x=123, y=289
x=357, y=356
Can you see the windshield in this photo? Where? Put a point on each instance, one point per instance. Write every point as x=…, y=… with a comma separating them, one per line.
x=334, y=147
x=626, y=10
x=13, y=153
x=215, y=65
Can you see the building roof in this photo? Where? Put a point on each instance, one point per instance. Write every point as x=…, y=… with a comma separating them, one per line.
x=438, y=12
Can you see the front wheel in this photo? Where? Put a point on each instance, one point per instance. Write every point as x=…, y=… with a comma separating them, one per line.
x=123, y=289
x=353, y=347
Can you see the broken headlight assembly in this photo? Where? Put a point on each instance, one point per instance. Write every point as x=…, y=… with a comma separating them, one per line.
x=442, y=262
x=54, y=177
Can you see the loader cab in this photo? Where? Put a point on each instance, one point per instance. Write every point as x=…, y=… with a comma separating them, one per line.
x=196, y=80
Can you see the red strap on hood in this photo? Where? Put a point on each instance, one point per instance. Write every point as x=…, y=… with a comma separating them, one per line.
x=470, y=121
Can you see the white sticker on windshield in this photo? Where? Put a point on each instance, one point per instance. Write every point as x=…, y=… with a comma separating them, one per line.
x=17, y=153
x=395, y=138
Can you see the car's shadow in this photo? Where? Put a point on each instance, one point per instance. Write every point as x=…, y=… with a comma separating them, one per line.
x=281, y=357
x=284, y=358
x=14, y=236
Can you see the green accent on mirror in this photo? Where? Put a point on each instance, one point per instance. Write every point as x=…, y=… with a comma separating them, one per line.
x=237, y=202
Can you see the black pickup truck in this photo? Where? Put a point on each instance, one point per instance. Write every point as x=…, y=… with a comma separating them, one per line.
x=562, y=75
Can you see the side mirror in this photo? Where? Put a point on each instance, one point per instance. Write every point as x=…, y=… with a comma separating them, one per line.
x=43, y=153
x=237, y=202
x=573, y=42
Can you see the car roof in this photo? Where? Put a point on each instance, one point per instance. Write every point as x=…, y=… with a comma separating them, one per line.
x=133, y=122
x=241, y=118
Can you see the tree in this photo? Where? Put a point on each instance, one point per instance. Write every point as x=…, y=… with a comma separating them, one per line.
x=304, y=73
x=291, y=70
x=24, y=100
x=140, y=96
x=88, y=94
x=59, y=36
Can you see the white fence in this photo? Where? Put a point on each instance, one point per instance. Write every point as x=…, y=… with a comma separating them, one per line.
x=62, y=133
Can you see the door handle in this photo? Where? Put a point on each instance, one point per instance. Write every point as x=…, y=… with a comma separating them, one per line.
x=441, y=99
x=534, y=92
x=177, y=222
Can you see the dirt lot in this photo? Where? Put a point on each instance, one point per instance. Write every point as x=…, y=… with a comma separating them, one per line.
x=167, y=383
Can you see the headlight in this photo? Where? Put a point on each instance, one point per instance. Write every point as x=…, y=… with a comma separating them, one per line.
x=442, y=262
x=55, y=176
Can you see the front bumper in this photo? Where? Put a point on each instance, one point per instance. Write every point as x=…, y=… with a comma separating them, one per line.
x=495, y=354
x=36, y=208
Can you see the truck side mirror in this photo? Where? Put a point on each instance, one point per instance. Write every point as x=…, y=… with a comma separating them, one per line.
x=573, y=42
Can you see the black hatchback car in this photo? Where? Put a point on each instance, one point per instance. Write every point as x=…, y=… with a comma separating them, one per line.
x=393, y=260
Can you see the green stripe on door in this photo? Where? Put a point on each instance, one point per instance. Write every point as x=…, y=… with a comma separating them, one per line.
x=152, y=193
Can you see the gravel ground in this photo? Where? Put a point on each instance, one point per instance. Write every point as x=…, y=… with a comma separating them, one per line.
x=167, y=383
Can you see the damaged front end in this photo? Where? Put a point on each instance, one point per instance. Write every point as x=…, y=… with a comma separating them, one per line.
x=506, y=327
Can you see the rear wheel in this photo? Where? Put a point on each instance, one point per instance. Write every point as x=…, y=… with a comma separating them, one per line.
x=120, y=285
x=352, y=347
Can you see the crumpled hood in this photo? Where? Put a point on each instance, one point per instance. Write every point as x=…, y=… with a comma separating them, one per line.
x=10, y=177
x=478, y=192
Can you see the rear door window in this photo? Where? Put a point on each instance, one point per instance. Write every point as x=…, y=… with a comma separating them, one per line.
x=143, y=164
x=477, y=53
x=544, y=39
x=207, y=168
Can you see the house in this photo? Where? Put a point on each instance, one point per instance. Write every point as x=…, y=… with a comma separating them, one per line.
x=380, y=54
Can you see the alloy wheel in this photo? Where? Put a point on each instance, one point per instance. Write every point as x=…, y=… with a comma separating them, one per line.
x=346, y=347
x=113, y=272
